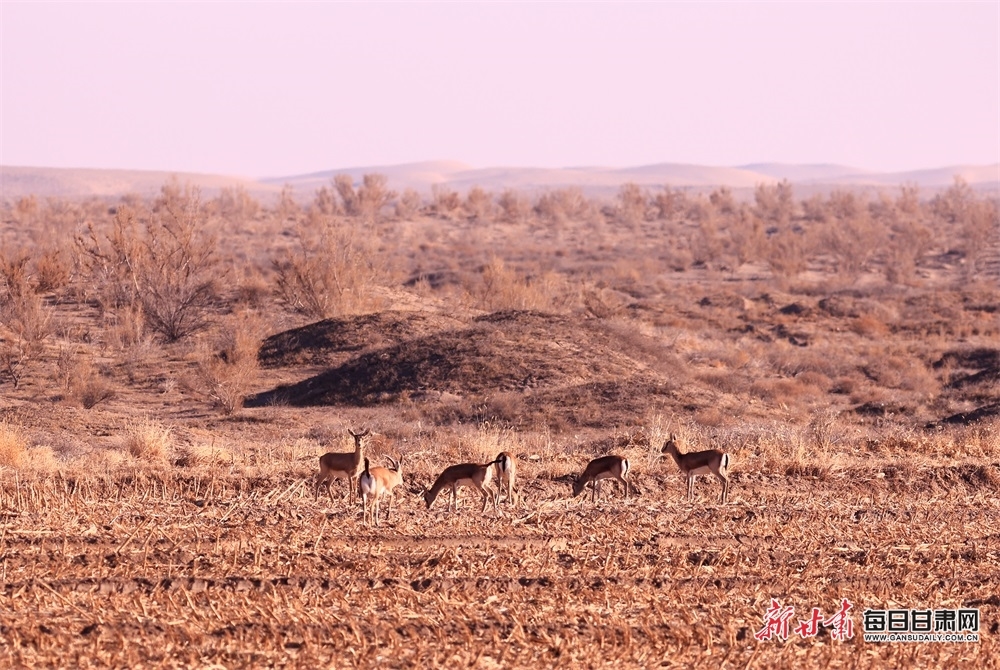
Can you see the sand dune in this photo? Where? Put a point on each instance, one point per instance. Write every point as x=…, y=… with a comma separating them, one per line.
x=16, y=181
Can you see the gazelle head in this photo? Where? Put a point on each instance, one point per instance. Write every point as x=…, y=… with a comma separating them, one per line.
x=670, y=446
x=359, y=436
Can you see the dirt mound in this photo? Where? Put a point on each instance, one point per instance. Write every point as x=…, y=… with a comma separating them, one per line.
x=501, y=352
x=984, y=413
x=975, y=366
x=332, y=341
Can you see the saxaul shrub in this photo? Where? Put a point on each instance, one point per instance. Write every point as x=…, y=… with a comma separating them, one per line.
x=227, y=364
x=166, y=264
x=333, y=268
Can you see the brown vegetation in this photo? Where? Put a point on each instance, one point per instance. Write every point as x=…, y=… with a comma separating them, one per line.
x=168, y=380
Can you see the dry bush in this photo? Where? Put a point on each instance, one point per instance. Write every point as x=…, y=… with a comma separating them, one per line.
x=13, y=445
x=169, y=267
x=563, y=206
x=227, y=365
x=504, y=288
x=514, y=207
x=854, y=241
x=287, y=209
x=631, y=205
x=25, y=324
x=129, y=338
x=786, y=253
x=747, y=237
x=83, y=382
x=147, y=440
x=111, y=266
x=14, y=275
x=479, y=205
x=909, y=240
x=365, y=203
x=179, y=282
x=52, y=270
x=334, y=269
x=409, y=204
x=373, y=196
x=723, y=201
x=193, y=455
x=774, y=203
x=706, y=244
x=445, y=203
x=236, y=205
x=669, y=203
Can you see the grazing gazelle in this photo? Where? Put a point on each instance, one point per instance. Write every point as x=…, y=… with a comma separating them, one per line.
x=700, y=463
x=472, y=475
x=605, y=467
x=342, y=465
x=506, y=472
x=376, y=483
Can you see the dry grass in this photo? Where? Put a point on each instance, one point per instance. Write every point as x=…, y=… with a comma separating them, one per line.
x=147, y=440
x=13, y=445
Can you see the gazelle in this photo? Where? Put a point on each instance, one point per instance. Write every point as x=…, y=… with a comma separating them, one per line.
x=376, y=483
x=605, y=467
x=505, y=474
x=471, y=475
x=700, y=463
x=342, y=466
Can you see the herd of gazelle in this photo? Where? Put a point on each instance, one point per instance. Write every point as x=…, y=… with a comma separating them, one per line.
x=376, y=483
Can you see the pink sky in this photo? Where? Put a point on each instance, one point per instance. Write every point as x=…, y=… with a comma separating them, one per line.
x=269, y=89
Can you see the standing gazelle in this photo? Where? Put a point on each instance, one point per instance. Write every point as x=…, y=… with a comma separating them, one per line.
x=506, y=472
x=700, y=463
x=471, y=475
x=377, y=483
x=342, y=466
x=605, y=467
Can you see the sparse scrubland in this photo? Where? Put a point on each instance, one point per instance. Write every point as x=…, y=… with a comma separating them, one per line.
x=171, y=370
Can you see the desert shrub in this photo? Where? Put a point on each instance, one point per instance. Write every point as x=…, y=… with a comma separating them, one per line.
x=408, y=205
x=786, y=253
x=25, y=324
x=504, y=288
x=288, y=209
x=668, y=203
x=723, y=201
x=81, y=380
x=227, y=365
x=366, y=202
x=13, y=445
x=479, y=204
x=373, y=196
x=169, y=267
x=236, y=205
x=14, y=275
x=706, y=243
x=909, y=240
x=147, y=440
x=562, y=206
x=179, y=281
x=853, y=241
x=630, y=206
x=514, y=207
x=52, y=270
x=774, y=203
x=334, y=269
x=445, y=202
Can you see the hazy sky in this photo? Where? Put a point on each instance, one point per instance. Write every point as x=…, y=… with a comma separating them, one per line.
x=277, y=89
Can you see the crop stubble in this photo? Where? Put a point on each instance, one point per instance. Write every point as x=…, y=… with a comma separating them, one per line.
x=171, y=570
